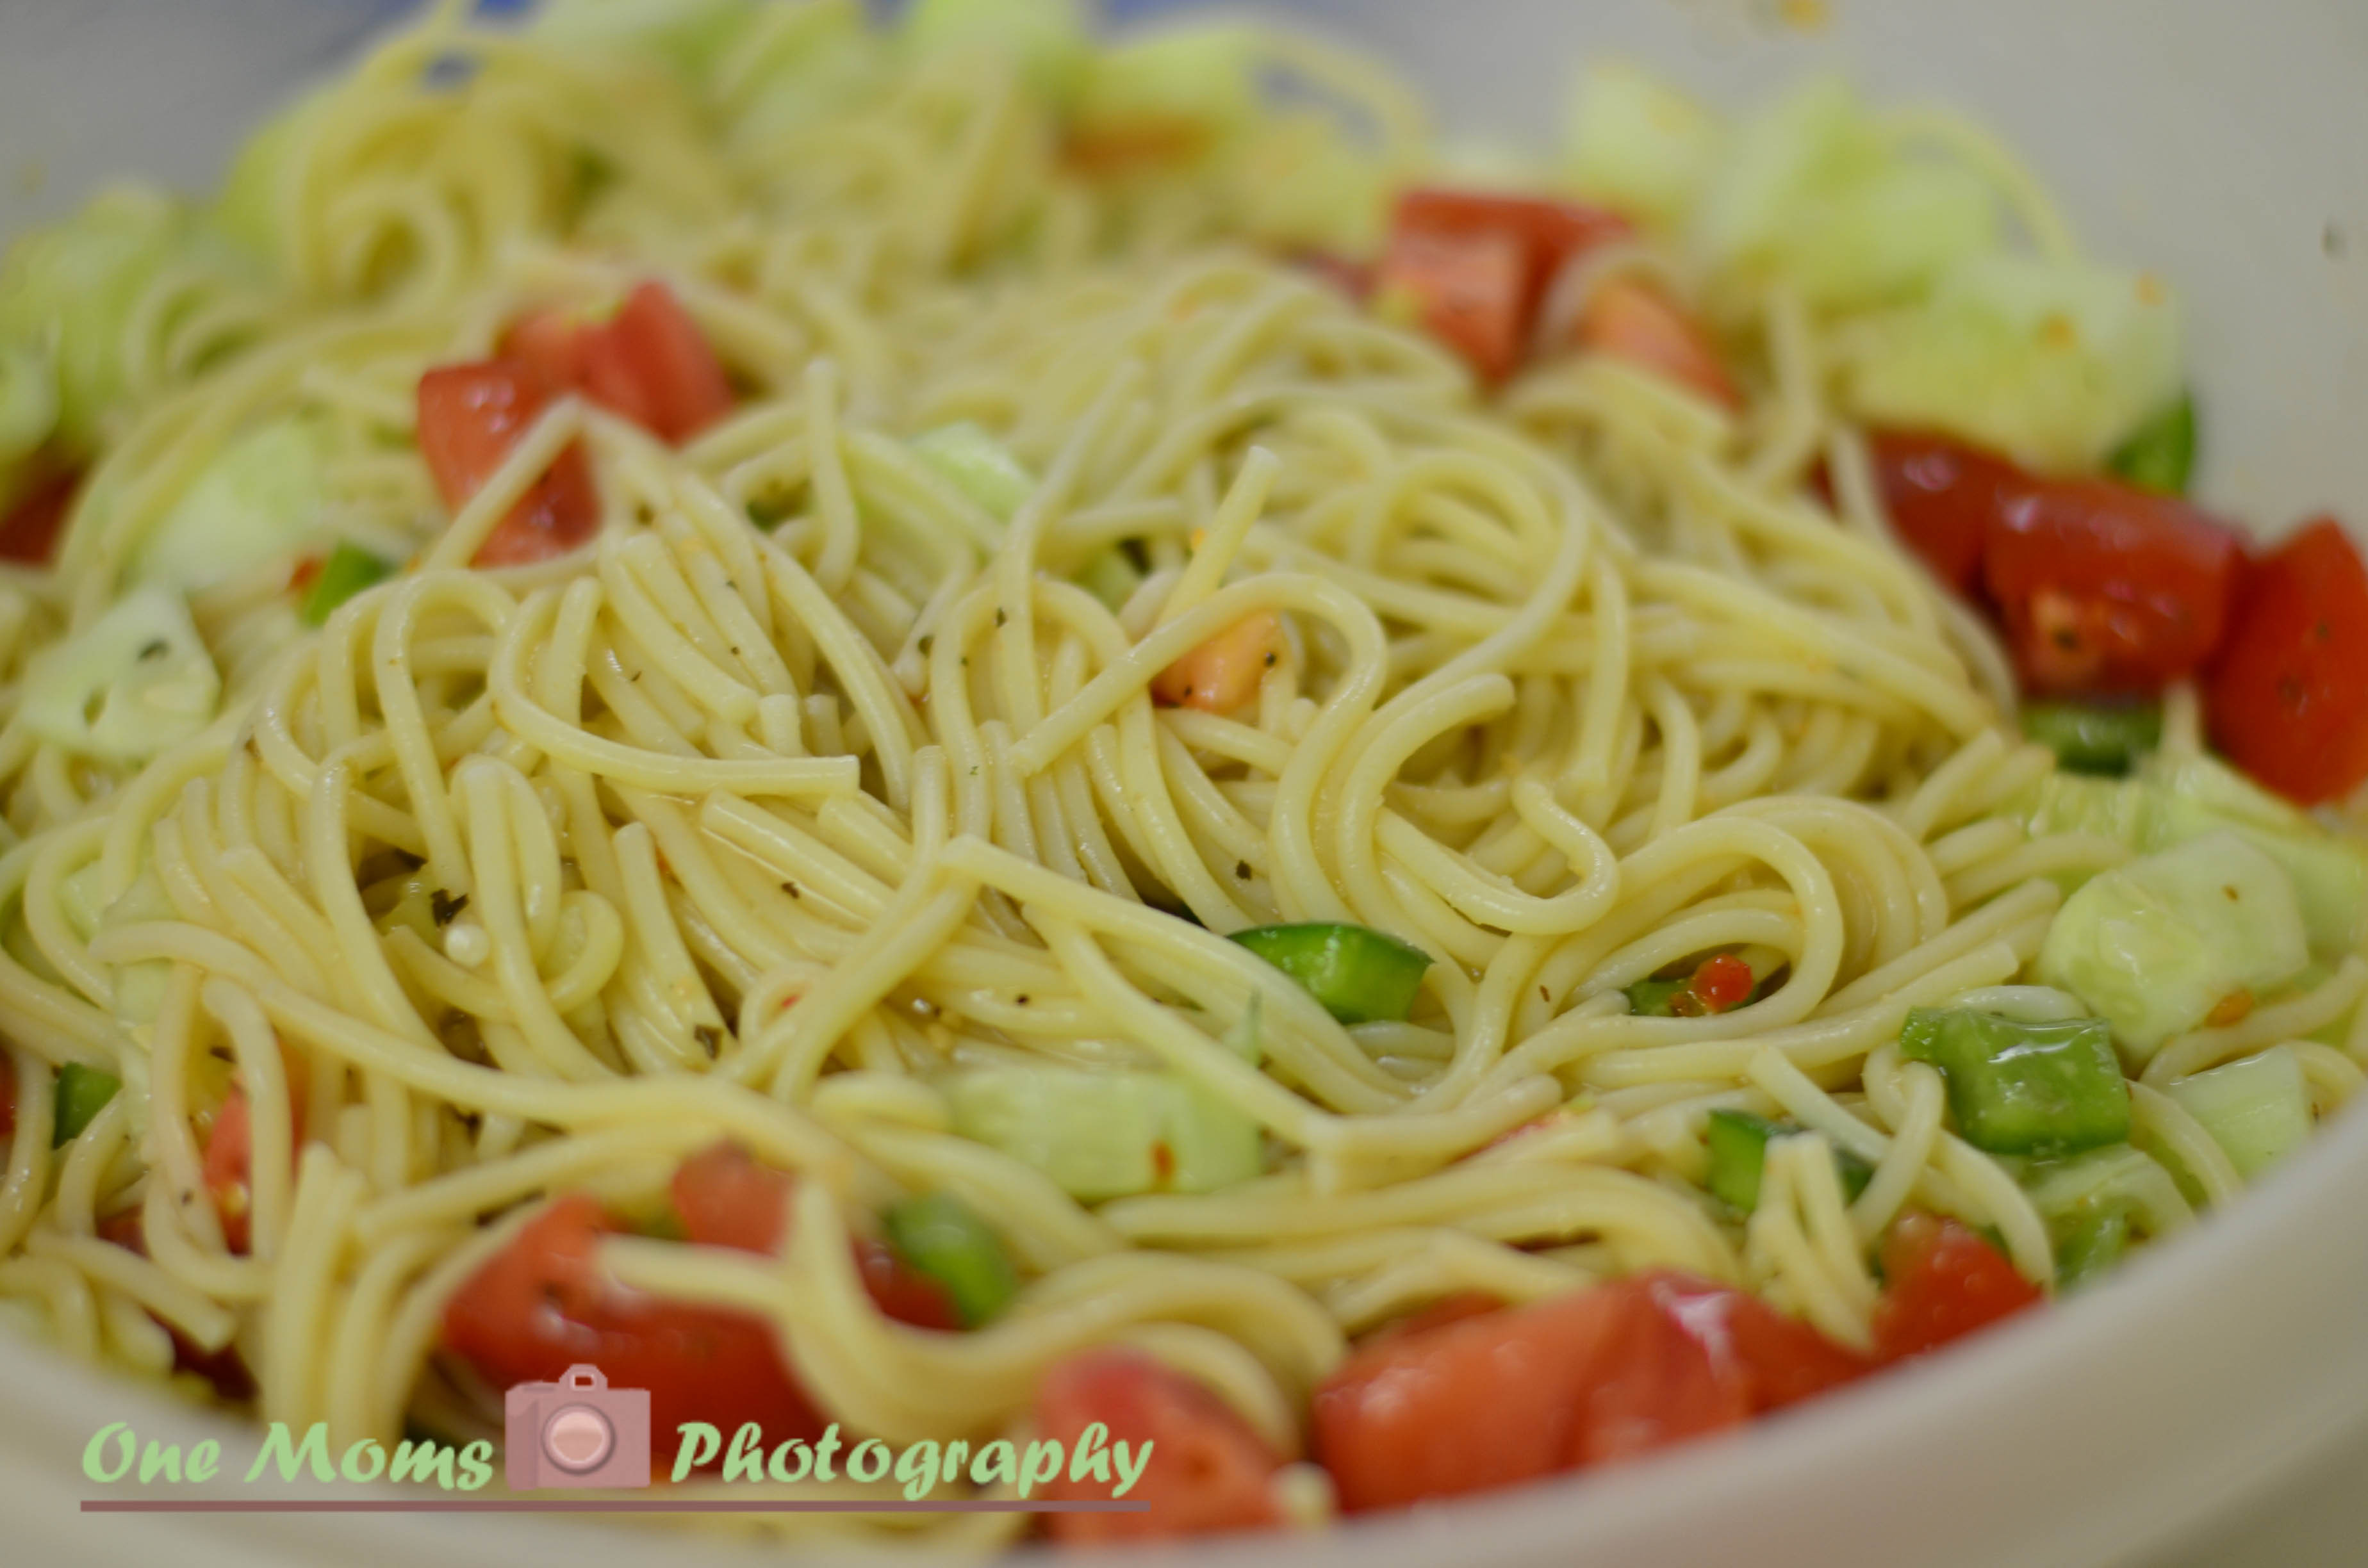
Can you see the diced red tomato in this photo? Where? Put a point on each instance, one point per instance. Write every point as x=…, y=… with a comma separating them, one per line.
x=1551, y=233
x=1723, y=982
x=2108, y=588
x=649, y=363
x=1463, y=290
x=1209, y=1473
x=1224, y=673
x=1472, y=1402
x=1447, y=1310
x=726, y=1199
x=672, y=361
x=540, y=1305
x=1472, y=268
x=29, y=530
x=2288, y=699
x=1512, y=1396
x=1942, y=1282
x=229, y=1158
x=224, y=1368
x=1775, y=1360
x=1632, y=320
x=470, y=417
x=230, y=1166
x=1942, y=495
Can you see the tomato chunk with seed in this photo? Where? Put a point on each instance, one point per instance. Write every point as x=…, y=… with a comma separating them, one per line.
x=1208, y=1471
x=2105, y=588
x=1943, y=1282
x=1635, y=321
x=470, y=417
x=229, y=1154
x=2288, y=697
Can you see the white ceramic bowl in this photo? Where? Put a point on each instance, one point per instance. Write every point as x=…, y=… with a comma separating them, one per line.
x=2218, y=144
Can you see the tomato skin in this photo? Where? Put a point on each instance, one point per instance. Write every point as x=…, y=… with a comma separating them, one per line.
x=541, y=1306
x=649, y=363
x=1944, y=1283
x=2105, y=588
x=1516, y=1395
x=30, y=529
x=229, y=1168
x=672, y=362
x=726, y=1198
x=470, y=417
x=1636, y=322
x=1463, y=290
x=2288, y=697
x=1774, y=1360
x=1209, y=1473
x=1473, y=268
x=1551, y=233
x=1942, y=495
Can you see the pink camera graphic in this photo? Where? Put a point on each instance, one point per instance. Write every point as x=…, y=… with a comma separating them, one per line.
x=575, y=1432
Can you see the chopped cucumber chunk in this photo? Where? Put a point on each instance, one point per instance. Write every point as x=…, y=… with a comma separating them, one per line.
x=1048, y=40
x=1111, y=578
x=1197, y=77
x=260, y=500
x=2156, y=945
x=2116, y=1177
x=979, y=466
x=940, y=1236
x=2161, y=455
x=1812, y=191
x=131, y=684
x=2024, y=1088
x=1359, y=974
x=1101, y=1134
x=2172, y=801
x=1738, y=1142
x=2054, y=363
x=1657, y=998
x=2095, y=738
x=2256, y=1109
x=2089, y=1248
x=82, y=1093
x=1634, y=142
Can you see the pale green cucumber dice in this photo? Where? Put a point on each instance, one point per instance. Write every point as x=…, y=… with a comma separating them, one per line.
x=135, y=682
x=1634, y=142
x=261, y=500
x=2256, y=1109
x=1102, y=1133
x=2153, y=946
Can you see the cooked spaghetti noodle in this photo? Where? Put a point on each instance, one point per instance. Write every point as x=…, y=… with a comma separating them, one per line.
x=506, y=883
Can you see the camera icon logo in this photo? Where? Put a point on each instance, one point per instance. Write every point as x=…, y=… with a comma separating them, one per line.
x=575, y=1432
